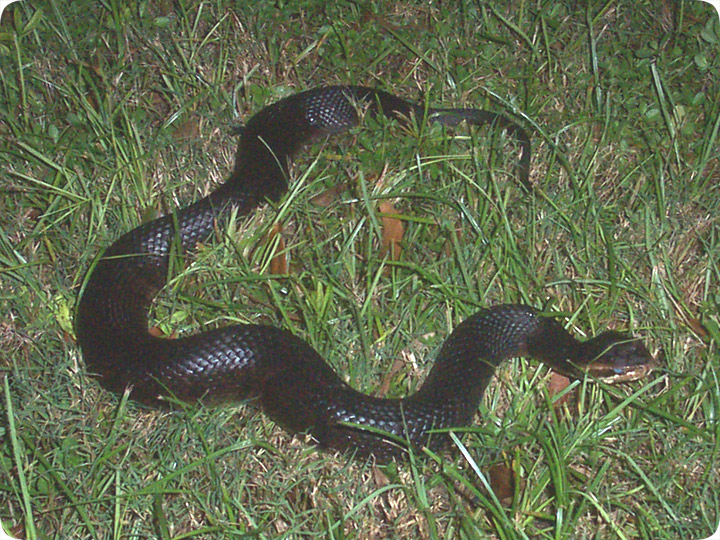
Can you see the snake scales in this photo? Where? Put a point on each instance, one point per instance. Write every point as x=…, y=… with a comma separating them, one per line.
x=284, y=375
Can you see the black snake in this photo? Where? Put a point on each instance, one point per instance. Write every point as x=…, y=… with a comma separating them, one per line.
x=279, y=371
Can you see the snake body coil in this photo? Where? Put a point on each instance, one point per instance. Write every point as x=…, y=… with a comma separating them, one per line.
x=282, y=373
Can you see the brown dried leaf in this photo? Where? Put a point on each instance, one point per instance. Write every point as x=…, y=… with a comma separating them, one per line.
x=502, y=480
x=697, y=326
x=278, y=264
x=379, y=477
x=329, y=196
x=557, y=384
x=187, y=130
x=155, y=331
x=393, y=231
x=397, y=367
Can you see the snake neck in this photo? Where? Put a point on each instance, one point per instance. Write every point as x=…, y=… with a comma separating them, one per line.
x=455, y=385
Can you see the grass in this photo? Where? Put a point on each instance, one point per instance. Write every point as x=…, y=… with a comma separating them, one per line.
x=113, y=112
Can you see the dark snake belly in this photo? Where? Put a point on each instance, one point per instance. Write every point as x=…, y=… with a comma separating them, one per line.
x=284, y=375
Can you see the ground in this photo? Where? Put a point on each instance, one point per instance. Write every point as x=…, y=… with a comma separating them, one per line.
x=115, y=112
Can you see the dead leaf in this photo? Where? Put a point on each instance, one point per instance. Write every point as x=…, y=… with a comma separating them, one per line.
x=329, y=196
x=187, y=130
x=278, y=264
x=397, y=367
x=392, y=231
x=155, y=331
x=697, y=326
x=379, y=477
x=556, y=385
x=502, y=481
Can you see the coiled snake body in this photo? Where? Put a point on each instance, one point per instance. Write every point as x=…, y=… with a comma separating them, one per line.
x=281, y=372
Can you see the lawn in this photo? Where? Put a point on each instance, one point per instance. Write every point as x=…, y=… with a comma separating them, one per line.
x=113, y=113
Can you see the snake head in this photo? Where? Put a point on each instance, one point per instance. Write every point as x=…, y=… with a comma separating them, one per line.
x=615, y=357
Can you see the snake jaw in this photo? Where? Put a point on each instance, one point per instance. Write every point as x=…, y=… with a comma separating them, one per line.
x=615, y=357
